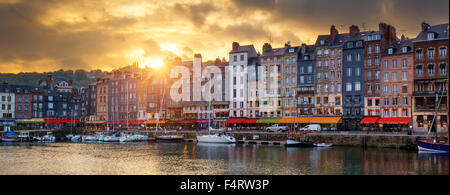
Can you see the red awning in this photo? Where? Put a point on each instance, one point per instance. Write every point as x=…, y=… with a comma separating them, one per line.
x=250, y=121
x=399, y=121
x=234, y=120
x=369, y=120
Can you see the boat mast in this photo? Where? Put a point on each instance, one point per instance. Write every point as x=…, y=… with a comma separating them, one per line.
x=436, y=112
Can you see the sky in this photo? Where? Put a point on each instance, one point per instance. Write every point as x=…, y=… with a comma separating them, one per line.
x=48, y=35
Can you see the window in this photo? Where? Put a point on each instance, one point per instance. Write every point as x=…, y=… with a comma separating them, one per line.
x=386, y=89
x=377, y=61
x=349, y=72
x=404, y=89
x=359, y=44
x=442, y=52
x=386, y=101
x=322, y=42
x=394, y=76
x=430, y=36
x=369, y=87
x=348, y=87
x=405, y=100
x=404, y=63
x=369, y=49
x=443, y=69
x=394, y=63
x=394, y=113
x=319, y=52
x=357, y=86
x=350, y=45
x=339, y=88
x=319, y=100
x=419, y=70
x=430, y=69
x=404, y=49
x=431, y=53
x=369, y=62
x=386, y=113
x=394, y=90
x=369, y=76
x=405, y=112
x=378, y=75
x=419, y=54
x=349, y=58
x=309, y=69
x=358, y=71
x=369, y=102
x=325, y=52
x=390, y=51
x=358, y=57
x=377, y=49
x=386, y=64
x=386, y=76
x=404, y=75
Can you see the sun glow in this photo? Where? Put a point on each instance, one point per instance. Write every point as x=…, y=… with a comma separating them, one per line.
x=152, y=63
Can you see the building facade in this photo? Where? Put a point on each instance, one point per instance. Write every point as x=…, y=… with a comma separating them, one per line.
x=431, y=78
x=305, y=81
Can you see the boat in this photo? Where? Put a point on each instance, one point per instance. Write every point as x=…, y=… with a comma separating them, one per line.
x=24, y=136
x=169, y=137
x=10, y=135
x=89, y=138
x=322, y=145
x=292, y=143
x=219, y=137
x=48, y=138
x=69, y=137
x=76, y=138
x=216, y=138
x=112, y=138
x=434, y=144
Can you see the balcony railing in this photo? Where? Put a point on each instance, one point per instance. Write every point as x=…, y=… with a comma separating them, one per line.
x=428, y=93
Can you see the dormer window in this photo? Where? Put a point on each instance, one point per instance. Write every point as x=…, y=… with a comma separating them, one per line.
x=322, y=42
x=390, y=51
x=359, y=44
x=291, y=50
x=430, y=36
x=305, y=57
x=404, y=49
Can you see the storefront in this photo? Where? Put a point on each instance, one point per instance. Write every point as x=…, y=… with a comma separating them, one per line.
x=394, y=124
x=327, y=123
x=370, y=123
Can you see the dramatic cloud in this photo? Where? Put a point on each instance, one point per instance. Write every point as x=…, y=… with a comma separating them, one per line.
x=44, y=35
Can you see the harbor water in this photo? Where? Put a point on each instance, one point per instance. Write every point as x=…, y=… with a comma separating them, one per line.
x=154, y=158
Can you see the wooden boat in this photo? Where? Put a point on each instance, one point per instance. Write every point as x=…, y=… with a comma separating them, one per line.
x=432, y=146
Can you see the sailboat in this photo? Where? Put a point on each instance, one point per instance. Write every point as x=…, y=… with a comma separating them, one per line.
x=169, y=135
x=434, y=145
x=219, y=137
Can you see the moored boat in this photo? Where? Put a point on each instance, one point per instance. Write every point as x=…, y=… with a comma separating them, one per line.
x=10, y=135
x=293, y=143
x=323, y=144
x=216, y=138
x=432, y=146
x=169, y=137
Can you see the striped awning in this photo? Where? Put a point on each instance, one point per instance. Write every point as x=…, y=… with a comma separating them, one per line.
x=268, y=120
x=394, y=121
x=95, y=122
x=326, y=120
x=369, y=120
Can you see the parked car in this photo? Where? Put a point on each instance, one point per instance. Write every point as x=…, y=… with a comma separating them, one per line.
x=311, y=127
x=276, y=128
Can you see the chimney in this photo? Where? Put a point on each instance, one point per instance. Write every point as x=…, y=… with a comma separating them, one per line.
x=333, y=33
x=287, y=45
x=425, y=26
x=403, y=37
x=388, y=33
x=48, y=80
x=267, y=47
x=353, y=30
x=235, y=46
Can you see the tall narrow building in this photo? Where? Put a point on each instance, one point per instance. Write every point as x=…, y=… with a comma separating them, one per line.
x=431, y=78
x=270, y=83
x=289, y=80
x=305, y=81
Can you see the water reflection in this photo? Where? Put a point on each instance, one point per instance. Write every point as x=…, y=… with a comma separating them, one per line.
x=208, y=158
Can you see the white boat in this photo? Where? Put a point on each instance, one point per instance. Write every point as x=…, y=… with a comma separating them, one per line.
x=112, y=138
x=127, y=138
x=101, y=137
x=48, y=138
x=141, y=137
x=69, y=137
x=219, y=129
x=322, y=145
x=37, y=138
x=89, y=138
x=216, y=138
x=75, y=138
x=24, y=136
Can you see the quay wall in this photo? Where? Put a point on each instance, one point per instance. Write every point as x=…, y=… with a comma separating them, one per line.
x=337, y=139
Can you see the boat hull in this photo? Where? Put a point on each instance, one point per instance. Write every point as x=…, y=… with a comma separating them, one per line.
x=432, y=147
x=10, y=139
x=292, y=143
x=216, y=139
x=169, y=138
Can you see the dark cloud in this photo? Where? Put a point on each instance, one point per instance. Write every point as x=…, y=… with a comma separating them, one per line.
x=196, y=13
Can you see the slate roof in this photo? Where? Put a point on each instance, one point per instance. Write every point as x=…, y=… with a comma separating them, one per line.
x=246, y=48
x=441, y=30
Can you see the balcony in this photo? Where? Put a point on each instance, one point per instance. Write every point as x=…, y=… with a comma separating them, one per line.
x=429, y=93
